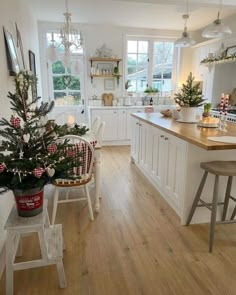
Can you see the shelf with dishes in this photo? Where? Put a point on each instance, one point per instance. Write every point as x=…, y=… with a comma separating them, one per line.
x=105, y=67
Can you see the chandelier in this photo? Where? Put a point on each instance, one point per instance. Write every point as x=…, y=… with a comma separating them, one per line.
x=217, y=29
x=69, y=37
x=185, y=40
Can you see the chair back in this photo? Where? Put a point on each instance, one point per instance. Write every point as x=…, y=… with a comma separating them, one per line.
x=85, y=150
x=95, y=125
x=100, y=132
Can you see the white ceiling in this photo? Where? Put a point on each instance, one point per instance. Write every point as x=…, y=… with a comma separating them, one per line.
x=155, y=14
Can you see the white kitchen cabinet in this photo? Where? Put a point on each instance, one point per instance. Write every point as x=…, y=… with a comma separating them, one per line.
x=118, y=123
x=111, y=120
x=161, y=157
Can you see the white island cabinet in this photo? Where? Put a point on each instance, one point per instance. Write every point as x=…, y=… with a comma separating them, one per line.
x=169, y=154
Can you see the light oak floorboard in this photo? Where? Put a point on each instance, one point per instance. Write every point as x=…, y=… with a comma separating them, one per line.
x=134, y=246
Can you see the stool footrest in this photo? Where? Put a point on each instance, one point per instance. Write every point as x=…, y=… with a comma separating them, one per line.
x=208, y=205
x=226, y=221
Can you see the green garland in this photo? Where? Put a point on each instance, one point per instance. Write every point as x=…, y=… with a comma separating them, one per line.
x=212, y=60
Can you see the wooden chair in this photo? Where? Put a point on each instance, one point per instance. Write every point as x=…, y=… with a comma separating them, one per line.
x=95, y=125
x=83, y=173
x=217, y=168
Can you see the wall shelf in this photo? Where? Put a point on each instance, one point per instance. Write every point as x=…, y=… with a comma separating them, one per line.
x=106, y=75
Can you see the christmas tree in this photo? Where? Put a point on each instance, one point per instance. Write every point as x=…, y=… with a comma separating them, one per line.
x=190, y=95
x=30, y=155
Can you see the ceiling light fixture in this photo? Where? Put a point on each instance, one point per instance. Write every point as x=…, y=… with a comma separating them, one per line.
x=217, y=29
x=69, y=37
x=186, y=40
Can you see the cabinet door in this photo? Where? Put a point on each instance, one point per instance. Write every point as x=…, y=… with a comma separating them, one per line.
x=121, y=121
x=128, y=120
x=173, y=169
x=110, y=118
x=145, y=146
x=157, y=155
x=135, y=139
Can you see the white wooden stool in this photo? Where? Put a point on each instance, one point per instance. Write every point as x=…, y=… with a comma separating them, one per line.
x=50, y=240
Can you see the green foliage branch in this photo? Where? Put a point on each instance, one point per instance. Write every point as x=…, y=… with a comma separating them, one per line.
x=26, y=142
x=190, y=95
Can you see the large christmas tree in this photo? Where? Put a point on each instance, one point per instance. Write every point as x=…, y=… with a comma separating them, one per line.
x=190, y=94
x=30, y=155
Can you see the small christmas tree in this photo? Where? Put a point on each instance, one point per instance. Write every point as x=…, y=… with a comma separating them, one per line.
x=190, y=95
x=30, y=156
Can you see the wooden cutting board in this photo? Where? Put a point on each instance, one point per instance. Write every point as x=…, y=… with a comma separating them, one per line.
x=107, y=98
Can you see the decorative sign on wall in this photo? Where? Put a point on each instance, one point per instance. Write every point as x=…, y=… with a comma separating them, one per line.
x=12, y=58
x=109, y=84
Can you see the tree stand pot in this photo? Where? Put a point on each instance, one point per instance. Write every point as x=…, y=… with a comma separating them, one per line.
x=29, y=202
x=188, y=114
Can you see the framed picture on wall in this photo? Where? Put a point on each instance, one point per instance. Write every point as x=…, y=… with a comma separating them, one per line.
x=32, y=62
x=231, y=50
x=109, y=84
x=11, y=53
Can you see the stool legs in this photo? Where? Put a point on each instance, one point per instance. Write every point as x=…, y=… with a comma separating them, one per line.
x=233, y=214
x=227, y=196
x=213, y=212
x=197, y=198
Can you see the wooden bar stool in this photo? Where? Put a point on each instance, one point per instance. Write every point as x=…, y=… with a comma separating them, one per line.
x=218, y=168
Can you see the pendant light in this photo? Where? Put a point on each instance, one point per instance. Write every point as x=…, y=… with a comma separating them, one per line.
x=217, y=29
x=186, y=40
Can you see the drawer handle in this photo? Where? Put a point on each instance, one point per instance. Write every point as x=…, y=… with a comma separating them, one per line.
x=114, y=112
x=140, y=124
x=166, y=138
x=162, y=136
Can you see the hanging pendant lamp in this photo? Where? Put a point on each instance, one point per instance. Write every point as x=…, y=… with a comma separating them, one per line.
x=186, y=40
x=217, y=29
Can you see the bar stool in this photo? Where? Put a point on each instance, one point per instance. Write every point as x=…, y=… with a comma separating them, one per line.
x=218, y=168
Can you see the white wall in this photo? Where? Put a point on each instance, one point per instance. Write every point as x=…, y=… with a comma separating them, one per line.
x=13, y=11
x=95, y=36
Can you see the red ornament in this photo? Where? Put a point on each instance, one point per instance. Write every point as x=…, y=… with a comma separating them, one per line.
x=52, y=148
x=15, y=122
x=38, y=172
x=2, y=167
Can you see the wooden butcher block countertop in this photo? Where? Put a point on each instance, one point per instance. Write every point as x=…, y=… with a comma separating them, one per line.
x=190, y=132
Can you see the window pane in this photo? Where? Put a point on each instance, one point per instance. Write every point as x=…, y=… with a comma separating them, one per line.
x=132, y=59
x=143, y=46
x=141, y=85
x=58, y=83
x=142, y=59
x=132, y=46
x=75, y=98
x=74, y=84
x=57, y=68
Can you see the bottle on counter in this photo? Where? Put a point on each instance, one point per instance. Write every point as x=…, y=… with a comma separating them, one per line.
x=151, y=101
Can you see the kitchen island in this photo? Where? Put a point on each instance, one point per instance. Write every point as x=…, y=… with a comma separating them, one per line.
x=169, y=154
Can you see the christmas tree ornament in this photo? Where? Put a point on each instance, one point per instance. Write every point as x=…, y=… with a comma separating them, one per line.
x=15, y=122
x=21, y=154
x=2, y=167
x=52, y=148
x=37, y=172
x=50, y=171
x=26, y=137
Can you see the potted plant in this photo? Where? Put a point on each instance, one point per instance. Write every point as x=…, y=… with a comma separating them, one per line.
x=151, y=90
x=189, y=99
x=30, y=157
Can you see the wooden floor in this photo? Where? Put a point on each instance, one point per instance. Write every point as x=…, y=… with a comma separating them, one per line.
x=135, y=245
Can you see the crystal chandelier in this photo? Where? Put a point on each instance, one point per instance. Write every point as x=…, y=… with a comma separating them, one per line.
x=69, y=37
x=185, y=40
x=217, y=29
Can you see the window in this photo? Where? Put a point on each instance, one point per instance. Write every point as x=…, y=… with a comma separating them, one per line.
x=64, y=86
x=150, y=63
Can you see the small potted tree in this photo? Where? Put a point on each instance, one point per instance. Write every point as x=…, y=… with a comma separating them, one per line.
x=189, y=99
x=30, y=156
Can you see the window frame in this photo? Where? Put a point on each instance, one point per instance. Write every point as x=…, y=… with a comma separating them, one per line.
x=150, y=69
